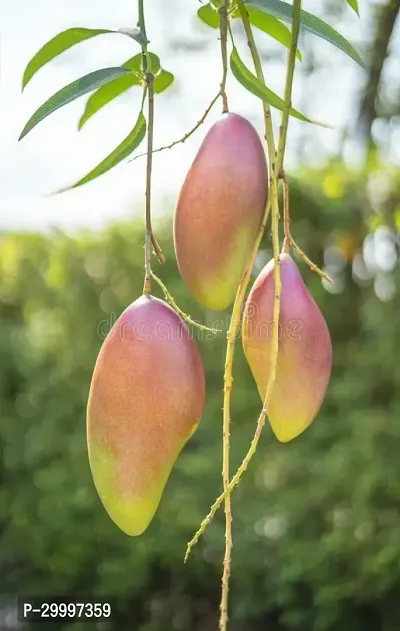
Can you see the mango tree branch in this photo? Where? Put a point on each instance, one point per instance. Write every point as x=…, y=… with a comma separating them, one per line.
x=150, y=239
x=183, y=315
x=236, y=313
x=223, y=621
x=157, y=249
x=289, y=241
x=288, y=85
x=223, y=29
x=148, y=229
x=232, y=333
x=286, y=216
x=273, y=201
x=187, y=135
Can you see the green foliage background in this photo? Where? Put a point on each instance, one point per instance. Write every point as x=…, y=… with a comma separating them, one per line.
x=316, y=522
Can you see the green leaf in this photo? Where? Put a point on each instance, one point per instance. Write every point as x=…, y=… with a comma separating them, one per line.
x=111, y=90
x=71, y=92
x=253, y=85
x=124, y=149
x=309, y=22
x=134, y=33
x=65, y=40
x=270, y=25
x=209, y=16
x=354, y=5
x=267, y=23
x=106, y=93
x=154, y=63
x=162, y=81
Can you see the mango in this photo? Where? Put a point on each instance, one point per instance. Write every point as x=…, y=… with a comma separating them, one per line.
x=146, y=398
x=305, y=351
x=219, y=211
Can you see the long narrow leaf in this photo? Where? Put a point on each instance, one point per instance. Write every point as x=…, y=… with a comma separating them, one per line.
x=271, y=26
x=261, y=20
x=253, y=85
x=309, y=22
x=124, y=149
x=106, y=93
x=65, y=40
x=71, y=92
x=354, y=5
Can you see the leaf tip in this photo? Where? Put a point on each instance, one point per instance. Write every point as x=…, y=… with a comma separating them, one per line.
x=25, y=79
x=23, y=134
x=58, y=191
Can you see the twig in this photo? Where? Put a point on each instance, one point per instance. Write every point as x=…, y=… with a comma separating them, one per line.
x=157, y=249
x=277, y=280
x=289, y=241
x=223, y=29
x=149, y=232
x=228, y=380
x=280, y=154
x=232, y=333
x=309, y=262
x=150, y=239
x=186, y=136
x=286, y=216
x=183, y=315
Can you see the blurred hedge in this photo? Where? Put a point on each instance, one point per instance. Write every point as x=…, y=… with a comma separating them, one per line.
x=316, y=522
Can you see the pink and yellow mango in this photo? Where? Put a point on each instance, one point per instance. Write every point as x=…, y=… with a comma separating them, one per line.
x=146, y=399
x=305, y=352
x=219, y=211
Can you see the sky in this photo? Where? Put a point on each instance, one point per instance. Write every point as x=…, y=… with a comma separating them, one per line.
x=55, y=153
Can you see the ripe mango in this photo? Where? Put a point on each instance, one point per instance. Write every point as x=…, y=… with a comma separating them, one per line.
x=305, y=351
x=146, y=398
x=219, y=211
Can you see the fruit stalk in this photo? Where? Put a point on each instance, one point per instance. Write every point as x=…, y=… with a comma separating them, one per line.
x=150, y=239
x=280, y=154
x=223, y=29
x=289, y=241
x=188, y=134
x=149, y=232
x=269, y=136
x=235, y=322
x=223, y=622
x=179, y=311
x=286, y=216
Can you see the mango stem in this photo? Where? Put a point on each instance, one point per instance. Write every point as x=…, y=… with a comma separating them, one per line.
x=188, y=134
x=149, y=232
x=150, y=239
x=289, y=241
x=223, y=29
x=179, y=311
x=275, y=165
x=228, y=380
